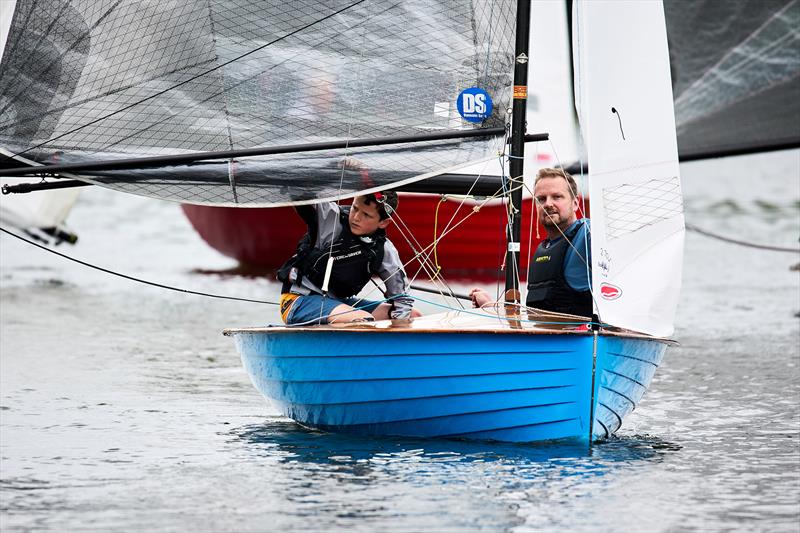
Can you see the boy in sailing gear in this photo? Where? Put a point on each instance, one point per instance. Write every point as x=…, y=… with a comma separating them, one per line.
x=318, y=289
x=557, y=276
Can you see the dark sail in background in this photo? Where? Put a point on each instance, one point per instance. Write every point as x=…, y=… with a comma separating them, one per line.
x=120, y=79
x=736, y=75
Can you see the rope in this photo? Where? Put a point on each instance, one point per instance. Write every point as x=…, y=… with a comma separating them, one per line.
x=707, y=233
x=107, y=271
x=442, y=200
x=424, y=250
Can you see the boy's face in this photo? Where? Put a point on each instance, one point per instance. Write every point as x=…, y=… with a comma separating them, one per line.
x=365, y=219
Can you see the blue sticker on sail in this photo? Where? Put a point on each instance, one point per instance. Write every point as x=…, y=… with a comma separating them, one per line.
x=474, y=104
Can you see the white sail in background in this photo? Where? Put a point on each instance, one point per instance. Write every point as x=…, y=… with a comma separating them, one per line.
x=43, y=209
x=33, y=210
x=626, y=113
x=6, y=14
x=550, y=105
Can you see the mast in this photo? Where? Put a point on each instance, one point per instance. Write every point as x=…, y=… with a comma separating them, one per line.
x=517, y=150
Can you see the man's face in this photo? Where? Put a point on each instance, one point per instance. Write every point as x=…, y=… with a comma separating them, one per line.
x=365, y=219
x=556, y=205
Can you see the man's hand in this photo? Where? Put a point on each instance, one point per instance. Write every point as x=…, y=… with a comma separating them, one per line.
x=480, y=297
x=351, y=163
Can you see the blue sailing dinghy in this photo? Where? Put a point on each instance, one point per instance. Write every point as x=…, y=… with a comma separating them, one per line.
x=451, y=375
x=521, y=374
x=281, y=103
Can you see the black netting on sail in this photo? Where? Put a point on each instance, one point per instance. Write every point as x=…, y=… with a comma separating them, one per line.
x=112, y=79
x=736, y=74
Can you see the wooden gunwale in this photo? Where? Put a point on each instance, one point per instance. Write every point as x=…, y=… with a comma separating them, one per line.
x=533, y=323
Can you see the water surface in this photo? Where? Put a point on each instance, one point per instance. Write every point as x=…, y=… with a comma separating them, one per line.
x=123, y=407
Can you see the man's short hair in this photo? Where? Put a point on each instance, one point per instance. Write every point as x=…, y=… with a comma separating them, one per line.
x=557, y=173
x=386, y=201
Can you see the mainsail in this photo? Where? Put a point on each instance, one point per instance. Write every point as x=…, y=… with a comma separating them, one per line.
x=629, y=128
x=87, y=81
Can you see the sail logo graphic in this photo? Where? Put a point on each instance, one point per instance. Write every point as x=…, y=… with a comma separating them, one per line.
x=474, y=104
x=609, y=291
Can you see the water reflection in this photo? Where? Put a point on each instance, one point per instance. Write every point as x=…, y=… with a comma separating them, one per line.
x=440, y=484
x=294, y=443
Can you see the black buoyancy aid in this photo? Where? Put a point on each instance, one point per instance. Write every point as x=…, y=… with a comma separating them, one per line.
x=356, y=258
x=547, y=287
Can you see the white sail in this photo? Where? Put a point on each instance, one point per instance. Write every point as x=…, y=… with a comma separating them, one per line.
x=48, y=209
x=626, y=113
x=6, y=14
x=550, y=105
x=43, y=209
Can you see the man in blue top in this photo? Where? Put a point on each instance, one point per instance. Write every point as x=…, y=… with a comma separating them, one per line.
x=559, y=278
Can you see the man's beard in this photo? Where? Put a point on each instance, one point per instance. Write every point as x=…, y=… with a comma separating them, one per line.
x=552, y=219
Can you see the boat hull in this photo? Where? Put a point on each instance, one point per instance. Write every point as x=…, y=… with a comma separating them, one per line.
x=505, y=387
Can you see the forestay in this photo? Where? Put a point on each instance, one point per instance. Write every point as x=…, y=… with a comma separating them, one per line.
x=629, y=127
x=104, y=79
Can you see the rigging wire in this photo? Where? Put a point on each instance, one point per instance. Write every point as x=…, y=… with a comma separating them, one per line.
x=437, y=267
x=422, y=258
x=436, y=264
x=132, y=278
x=408, y=235
x=515, y=318
x=480, y=313
x=475, y=210
x=424, y=250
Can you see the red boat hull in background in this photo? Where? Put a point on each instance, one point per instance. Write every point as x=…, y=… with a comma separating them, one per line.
x=266, y=237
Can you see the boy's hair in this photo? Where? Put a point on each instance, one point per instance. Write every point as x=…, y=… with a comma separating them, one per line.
x=557, y=173
x=386, y=201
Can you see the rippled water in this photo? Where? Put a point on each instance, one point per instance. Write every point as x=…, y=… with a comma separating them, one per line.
x=123, y=407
